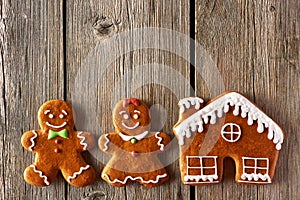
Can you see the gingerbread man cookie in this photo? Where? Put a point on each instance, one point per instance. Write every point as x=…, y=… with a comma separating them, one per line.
x=133, y=147
x=58, y=147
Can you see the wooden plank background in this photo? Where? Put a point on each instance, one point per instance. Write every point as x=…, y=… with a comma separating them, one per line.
x=46, y=46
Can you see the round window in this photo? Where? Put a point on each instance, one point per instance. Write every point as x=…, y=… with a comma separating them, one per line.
x=231, y=132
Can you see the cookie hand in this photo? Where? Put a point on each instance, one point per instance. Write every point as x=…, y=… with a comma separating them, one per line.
x=104, y=142
x=163, y=140
x=28, y=140
x=86, y=140
x=166, y=139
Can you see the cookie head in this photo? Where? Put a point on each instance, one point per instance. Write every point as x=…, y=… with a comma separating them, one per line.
x=131, y=116
x=56, y=115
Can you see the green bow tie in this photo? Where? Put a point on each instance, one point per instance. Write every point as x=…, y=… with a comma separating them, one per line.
x=53, y=134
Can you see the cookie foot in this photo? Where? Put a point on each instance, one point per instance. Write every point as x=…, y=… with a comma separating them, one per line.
x=36, y=177
x=84, y=176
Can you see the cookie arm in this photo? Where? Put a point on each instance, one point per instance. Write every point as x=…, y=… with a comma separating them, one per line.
x=104, y=143
x=163, y=140
x=86, y=141
x=28, y=140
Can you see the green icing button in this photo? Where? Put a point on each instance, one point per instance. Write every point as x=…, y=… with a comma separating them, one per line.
x=133, y=140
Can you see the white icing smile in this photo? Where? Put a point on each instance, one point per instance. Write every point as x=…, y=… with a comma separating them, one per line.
x=53, y=126
x=131, y=127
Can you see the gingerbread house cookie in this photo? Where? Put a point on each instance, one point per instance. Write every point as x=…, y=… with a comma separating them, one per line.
x=134, y=148
x=57, y=147
x=228, y=126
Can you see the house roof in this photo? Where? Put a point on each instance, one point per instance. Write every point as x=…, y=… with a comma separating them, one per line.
x=220, y=105
x=186, y=103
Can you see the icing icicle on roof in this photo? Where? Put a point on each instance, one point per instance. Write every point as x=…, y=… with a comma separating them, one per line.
x=216, y=109
x=187, y=102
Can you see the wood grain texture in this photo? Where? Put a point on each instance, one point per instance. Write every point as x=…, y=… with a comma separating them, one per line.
x=116, y=70
x=255, y=46
x=31, y=72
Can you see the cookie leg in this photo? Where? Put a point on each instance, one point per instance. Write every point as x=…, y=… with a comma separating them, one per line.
x=39, y=175
x=154, y=178
x=79, y=174
x=115, y=177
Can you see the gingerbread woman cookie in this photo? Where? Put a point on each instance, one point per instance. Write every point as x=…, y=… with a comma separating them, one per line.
x=133, y=147
x=58, y=147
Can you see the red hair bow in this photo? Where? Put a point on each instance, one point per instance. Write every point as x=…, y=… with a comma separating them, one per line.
x=134, y=101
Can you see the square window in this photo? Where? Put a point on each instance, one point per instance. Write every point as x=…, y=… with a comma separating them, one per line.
x=201, y=165
x=255, y=165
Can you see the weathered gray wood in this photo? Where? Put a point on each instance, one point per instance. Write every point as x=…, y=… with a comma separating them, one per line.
x=255, y=46
x=31, y=72
x=90, y=98
x=165, y=82
x=94, y=23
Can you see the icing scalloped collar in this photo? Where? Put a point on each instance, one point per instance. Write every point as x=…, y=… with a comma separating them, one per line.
x=138, y=137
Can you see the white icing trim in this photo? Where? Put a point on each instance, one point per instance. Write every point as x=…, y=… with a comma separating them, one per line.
x=32, y=140
x=134, y=179
x=46, y=112
x=188, y=183
x=202, y=177
x=218, y=107
x=78, y=173
x=106, y=143
x=159, y=141
x=198, y=178
x=131, y=127
x=82, y=138
x=255, y=177
x=129, y=137
x=231, y=132
x=255, y=182
x=53, y=126
x=41, y=174
x=187, y=102
x=64, y=112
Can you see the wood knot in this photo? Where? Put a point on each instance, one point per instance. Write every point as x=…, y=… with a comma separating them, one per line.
x=105, y=26
x=272, y=9
x=95, y=195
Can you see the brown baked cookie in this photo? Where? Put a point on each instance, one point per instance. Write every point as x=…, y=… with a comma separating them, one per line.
x=228, y=126
x=58, y=147
x=133, y=147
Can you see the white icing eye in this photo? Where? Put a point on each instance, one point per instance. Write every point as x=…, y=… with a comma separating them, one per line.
x=51, y=116
x=135, y=116
x=125, y=116
x=61, y=116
